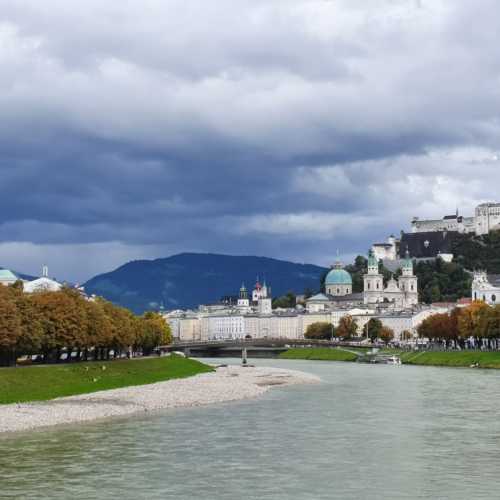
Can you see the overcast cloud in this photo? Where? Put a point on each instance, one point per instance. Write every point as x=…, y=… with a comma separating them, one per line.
x=284, y=128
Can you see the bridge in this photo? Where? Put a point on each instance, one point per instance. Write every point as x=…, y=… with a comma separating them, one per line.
x=257, y=348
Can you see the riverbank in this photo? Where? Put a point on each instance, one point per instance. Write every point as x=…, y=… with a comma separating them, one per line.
x=319, y=354
x=221, y=385
x=457, y=359
x=476, y=359
x=44, y=382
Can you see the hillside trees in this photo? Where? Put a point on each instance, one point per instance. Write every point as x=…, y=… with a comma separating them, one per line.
x=440, y=281
x=287, y=301
x=478, y=252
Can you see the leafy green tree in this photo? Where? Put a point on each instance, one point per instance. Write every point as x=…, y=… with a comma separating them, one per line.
x=287, y=301
x=373, y=328
x=319, y=331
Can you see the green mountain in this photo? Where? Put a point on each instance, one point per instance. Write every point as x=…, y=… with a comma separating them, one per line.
x=189, y=279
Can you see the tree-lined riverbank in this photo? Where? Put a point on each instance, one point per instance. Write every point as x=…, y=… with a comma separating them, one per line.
x=463, y=359
x=476, y=359
x=61, y=324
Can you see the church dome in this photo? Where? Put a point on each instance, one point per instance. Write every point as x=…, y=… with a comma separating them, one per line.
x=338, y=276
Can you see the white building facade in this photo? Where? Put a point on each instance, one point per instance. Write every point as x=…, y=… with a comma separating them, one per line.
x=486, y=288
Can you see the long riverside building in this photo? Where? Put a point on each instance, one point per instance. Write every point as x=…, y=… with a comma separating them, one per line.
x=203, y=326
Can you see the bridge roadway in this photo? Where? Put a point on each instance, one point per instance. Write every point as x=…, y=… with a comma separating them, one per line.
x=254, y=347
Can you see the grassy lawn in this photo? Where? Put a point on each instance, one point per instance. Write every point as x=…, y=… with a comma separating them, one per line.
x=39, y=383
x=460, y=358
x=319, y=353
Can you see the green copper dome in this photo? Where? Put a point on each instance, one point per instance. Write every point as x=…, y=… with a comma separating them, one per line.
x=338, y=276
x=6, y=275
x=407, y=262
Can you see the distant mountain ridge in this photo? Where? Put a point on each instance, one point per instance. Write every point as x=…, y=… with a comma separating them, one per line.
x=189, y=279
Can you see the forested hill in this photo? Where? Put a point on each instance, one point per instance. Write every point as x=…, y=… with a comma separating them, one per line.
x=189, y=279
x=478, y=252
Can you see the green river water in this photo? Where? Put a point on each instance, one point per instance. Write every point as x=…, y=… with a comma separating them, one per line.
x=366, y=432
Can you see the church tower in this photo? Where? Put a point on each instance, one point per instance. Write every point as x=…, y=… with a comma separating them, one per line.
x=243, y=298
x=373, y=291
x=408, y=282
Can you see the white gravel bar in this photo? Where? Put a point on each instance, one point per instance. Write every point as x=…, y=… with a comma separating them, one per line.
x=225, y=384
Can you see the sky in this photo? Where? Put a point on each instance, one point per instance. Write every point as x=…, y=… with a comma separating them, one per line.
x=281, y=128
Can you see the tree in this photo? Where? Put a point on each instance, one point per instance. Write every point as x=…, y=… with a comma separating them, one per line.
x=31, y=335
x=287, y=301
x=10, y=327
x=100, y=328
x=347, y=328
x=489, y=323
x=470, y=320
x=64, y=318
x=386, y=334
x=406, y=335
x=153, y=331
x=372, y=328
x=319, y=330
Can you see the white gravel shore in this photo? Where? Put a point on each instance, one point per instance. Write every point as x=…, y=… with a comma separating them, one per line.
x=225, y=384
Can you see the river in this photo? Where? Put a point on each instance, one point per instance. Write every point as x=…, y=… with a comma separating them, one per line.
x=366, y=432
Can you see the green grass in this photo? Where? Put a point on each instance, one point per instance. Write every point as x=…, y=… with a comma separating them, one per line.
x=458, y=358
x=319, y=353
x=40, y=383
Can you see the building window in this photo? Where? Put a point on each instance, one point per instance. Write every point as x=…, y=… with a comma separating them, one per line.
x=475, y=295
x=368, y=286
x=493, y=298
x=377, y=286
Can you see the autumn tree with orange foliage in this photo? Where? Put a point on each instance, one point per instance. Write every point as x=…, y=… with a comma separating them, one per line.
x=53, y=322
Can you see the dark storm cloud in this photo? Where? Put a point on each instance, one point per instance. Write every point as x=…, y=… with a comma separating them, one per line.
x=287, y=128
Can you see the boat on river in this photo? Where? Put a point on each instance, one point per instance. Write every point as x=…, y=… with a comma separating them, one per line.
x=386, y=359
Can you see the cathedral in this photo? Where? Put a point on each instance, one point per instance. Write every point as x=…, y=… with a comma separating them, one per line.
x=398, y=294
x=403, y=293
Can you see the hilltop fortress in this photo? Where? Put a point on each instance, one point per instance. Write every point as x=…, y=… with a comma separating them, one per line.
x=486, y=218
x=431, y=238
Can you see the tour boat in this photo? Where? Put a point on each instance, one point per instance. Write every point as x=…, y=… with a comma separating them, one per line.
x=393, y=360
